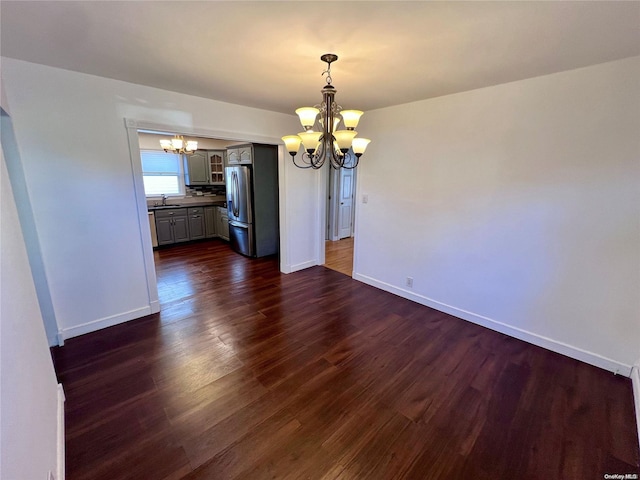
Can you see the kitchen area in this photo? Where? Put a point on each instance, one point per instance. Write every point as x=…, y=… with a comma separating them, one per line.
x=218, y=190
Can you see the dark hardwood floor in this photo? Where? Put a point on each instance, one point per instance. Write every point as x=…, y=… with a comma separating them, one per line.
x=251, y=374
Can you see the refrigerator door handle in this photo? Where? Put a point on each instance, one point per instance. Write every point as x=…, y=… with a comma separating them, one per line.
x=236, y=193
x=233, y=193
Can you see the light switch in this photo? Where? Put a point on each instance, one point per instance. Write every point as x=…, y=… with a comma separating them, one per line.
x=365, y=198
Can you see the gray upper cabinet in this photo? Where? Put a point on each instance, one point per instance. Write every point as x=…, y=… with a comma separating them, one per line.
x=197, y=168
x=239, y=154
x=233, y=156
x=216, y=166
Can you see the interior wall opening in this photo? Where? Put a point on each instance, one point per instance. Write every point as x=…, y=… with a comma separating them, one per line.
x=340, y=220
x=212, y=219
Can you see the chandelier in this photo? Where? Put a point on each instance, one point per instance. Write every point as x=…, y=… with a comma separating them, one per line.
x=340, y=147
x=178, y=145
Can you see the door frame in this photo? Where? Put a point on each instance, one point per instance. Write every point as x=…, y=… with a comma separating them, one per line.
x=333, y=203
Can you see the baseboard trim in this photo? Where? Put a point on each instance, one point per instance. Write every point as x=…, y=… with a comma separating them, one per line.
x=533, y=338
x=155, y=306
x=299, y=266
x=635, y=381
x=101, y=323
x=285, y=268
x=60, y=467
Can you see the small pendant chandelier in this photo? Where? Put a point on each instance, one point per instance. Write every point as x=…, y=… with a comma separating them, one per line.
x=340, y=147
x=178, y=145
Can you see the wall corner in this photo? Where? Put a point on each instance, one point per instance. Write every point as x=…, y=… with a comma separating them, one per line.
x=635, y=380
x=60, y=467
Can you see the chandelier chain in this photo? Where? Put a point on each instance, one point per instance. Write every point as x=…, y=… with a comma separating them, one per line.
x=327, y=72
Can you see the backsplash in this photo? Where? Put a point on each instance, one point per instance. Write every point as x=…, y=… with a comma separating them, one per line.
x=195, y=195
x=198, y=191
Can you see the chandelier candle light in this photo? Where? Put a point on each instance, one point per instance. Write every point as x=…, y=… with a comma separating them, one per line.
x=341, y=147
x=178, y=145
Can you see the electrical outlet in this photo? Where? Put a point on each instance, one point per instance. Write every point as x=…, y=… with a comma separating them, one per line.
x=365, y=198
x=409, y=282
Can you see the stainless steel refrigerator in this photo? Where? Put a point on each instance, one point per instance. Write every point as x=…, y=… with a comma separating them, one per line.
x=252, y=200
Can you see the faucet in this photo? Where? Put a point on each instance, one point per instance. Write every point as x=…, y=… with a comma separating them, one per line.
x=164, y=199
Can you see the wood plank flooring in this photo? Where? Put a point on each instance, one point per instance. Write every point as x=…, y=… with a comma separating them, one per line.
x=339, y=255
x=251, y=374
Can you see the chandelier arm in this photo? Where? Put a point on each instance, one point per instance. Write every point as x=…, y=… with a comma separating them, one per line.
x=322, y=147
x=305, y=164
x=337, y=160
x=316, y=161
x=350, y=165
x=333, y=153
x=320, y=154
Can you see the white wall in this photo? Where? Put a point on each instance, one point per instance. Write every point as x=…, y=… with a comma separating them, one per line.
x=515, y=206
x=28, y=390
x=71, y=134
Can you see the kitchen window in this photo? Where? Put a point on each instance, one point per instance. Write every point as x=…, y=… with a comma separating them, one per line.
x=162, y=173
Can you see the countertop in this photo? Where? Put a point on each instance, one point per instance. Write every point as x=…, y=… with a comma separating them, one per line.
x=217, y=203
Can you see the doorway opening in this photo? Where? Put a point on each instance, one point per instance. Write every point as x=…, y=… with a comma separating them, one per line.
x=143, y=135
x=339, y=232
x=195, y=179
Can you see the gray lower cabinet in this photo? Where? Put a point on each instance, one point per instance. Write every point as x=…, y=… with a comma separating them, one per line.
x=172, y=226
x=222, y=223
x=181, y=229
x=210, y=222
x=196, y=223
x=164, y=230
x=193, y=223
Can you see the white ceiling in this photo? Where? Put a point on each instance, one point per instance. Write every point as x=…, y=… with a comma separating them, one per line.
x=267, y=54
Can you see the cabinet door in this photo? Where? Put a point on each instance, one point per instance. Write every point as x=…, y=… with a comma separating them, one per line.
x=196, y=226
x=197, y=171
x=233, y=156
x=216, y=166
x=164, y=229
x=245, y=154
x=180, y=229
x=223, y=224
x=210, y=222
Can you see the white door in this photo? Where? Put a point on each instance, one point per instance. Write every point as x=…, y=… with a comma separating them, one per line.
x=345, y=203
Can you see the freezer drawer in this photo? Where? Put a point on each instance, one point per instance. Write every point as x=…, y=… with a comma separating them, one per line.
x=241, y=238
